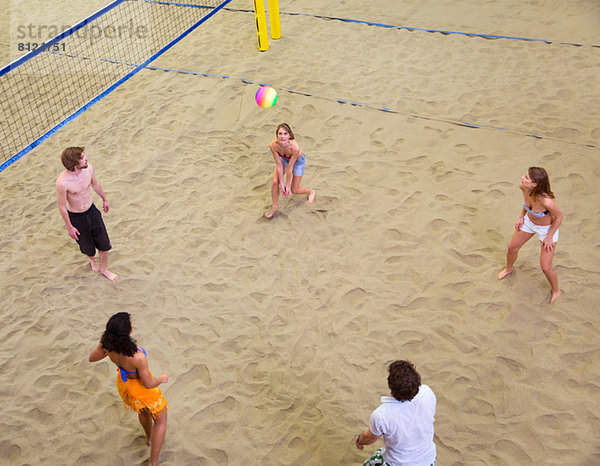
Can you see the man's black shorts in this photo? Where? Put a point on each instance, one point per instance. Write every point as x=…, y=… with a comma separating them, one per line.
x=92, y=232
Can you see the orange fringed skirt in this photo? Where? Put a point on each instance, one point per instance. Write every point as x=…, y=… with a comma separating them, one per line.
x=137, y=397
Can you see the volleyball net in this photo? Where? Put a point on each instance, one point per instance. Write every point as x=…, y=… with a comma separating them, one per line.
x=59, y=77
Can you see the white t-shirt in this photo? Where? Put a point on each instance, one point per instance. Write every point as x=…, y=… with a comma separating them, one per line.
x=407, y=428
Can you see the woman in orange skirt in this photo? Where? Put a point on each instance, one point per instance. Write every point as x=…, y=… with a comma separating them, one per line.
x=135, y=383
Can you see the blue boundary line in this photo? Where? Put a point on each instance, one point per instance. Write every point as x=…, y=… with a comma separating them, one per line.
x=382, y=109
x=408, y=28
x=103, y=94
x=464, y=124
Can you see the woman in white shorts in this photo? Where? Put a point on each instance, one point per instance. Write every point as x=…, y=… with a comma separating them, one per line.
x=540, y=215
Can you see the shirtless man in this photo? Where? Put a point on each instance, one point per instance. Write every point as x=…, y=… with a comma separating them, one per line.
x=82, y=219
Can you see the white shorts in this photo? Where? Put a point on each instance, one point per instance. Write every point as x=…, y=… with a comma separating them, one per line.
x=541, y=230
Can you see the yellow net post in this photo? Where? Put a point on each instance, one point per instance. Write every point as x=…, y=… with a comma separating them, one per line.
x=274, y=19
x=261, y=25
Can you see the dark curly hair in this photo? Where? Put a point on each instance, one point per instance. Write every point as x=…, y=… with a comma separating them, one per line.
x=403, y=380
x=117, y=336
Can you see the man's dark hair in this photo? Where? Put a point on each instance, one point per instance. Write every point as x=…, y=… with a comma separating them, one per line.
x=71, y=156
x=403, y=380
x=117, y=336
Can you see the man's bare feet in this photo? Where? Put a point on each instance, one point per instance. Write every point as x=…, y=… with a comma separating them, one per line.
x=555, y=295
x=108, y=274
x=311, y=196
x=94, y=264
x=504, y=273
x=271, y=212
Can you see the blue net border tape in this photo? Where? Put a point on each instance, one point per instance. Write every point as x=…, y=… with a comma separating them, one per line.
x=160, y=2
x=103, y=94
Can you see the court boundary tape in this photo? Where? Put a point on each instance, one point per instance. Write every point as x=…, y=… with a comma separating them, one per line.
x=388, y=26
x=410, y=29
x=381, y=109
x=342, y=101
x=222, y=6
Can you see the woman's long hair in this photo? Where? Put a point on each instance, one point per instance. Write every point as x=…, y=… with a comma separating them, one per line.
x=287, y=128
x=117, y=336
x=542, y=188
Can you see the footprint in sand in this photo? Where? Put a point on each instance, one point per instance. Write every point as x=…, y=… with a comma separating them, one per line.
x=199, y=374
x=463, y=148
x=478, y=406
x=496, y=194
x=477, y=159
x=413, y=198
x=472, y=260
x=439, y=224
x=416, y=160
x=353, y=296
x=514, y=366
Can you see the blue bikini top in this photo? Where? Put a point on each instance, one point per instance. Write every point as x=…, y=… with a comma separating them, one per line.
x=124, y=372
x=535, y=214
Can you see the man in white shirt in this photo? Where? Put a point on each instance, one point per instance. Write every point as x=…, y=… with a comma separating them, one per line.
x=405, y=420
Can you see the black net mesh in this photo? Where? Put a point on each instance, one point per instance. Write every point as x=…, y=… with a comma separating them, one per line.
x=48, y=88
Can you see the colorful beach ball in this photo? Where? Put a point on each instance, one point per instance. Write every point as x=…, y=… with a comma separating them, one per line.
x=266, y=97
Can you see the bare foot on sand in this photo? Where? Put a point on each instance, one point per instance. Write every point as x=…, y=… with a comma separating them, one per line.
x=271, y=212
x=504, y=273
x=108, y=274
x=311, y=196
x=94, y=264
x=555, y=295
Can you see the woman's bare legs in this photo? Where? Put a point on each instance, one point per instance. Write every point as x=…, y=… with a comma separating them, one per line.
x=546, y=264
x=274, y=193
x=146, y=421
x=158, y=436
x=297, y=189
x=519, y=239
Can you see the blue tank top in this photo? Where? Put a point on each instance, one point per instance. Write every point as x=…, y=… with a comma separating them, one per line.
x=124, y=372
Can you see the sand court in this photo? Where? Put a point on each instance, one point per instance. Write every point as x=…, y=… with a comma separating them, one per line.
x=276, y=334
